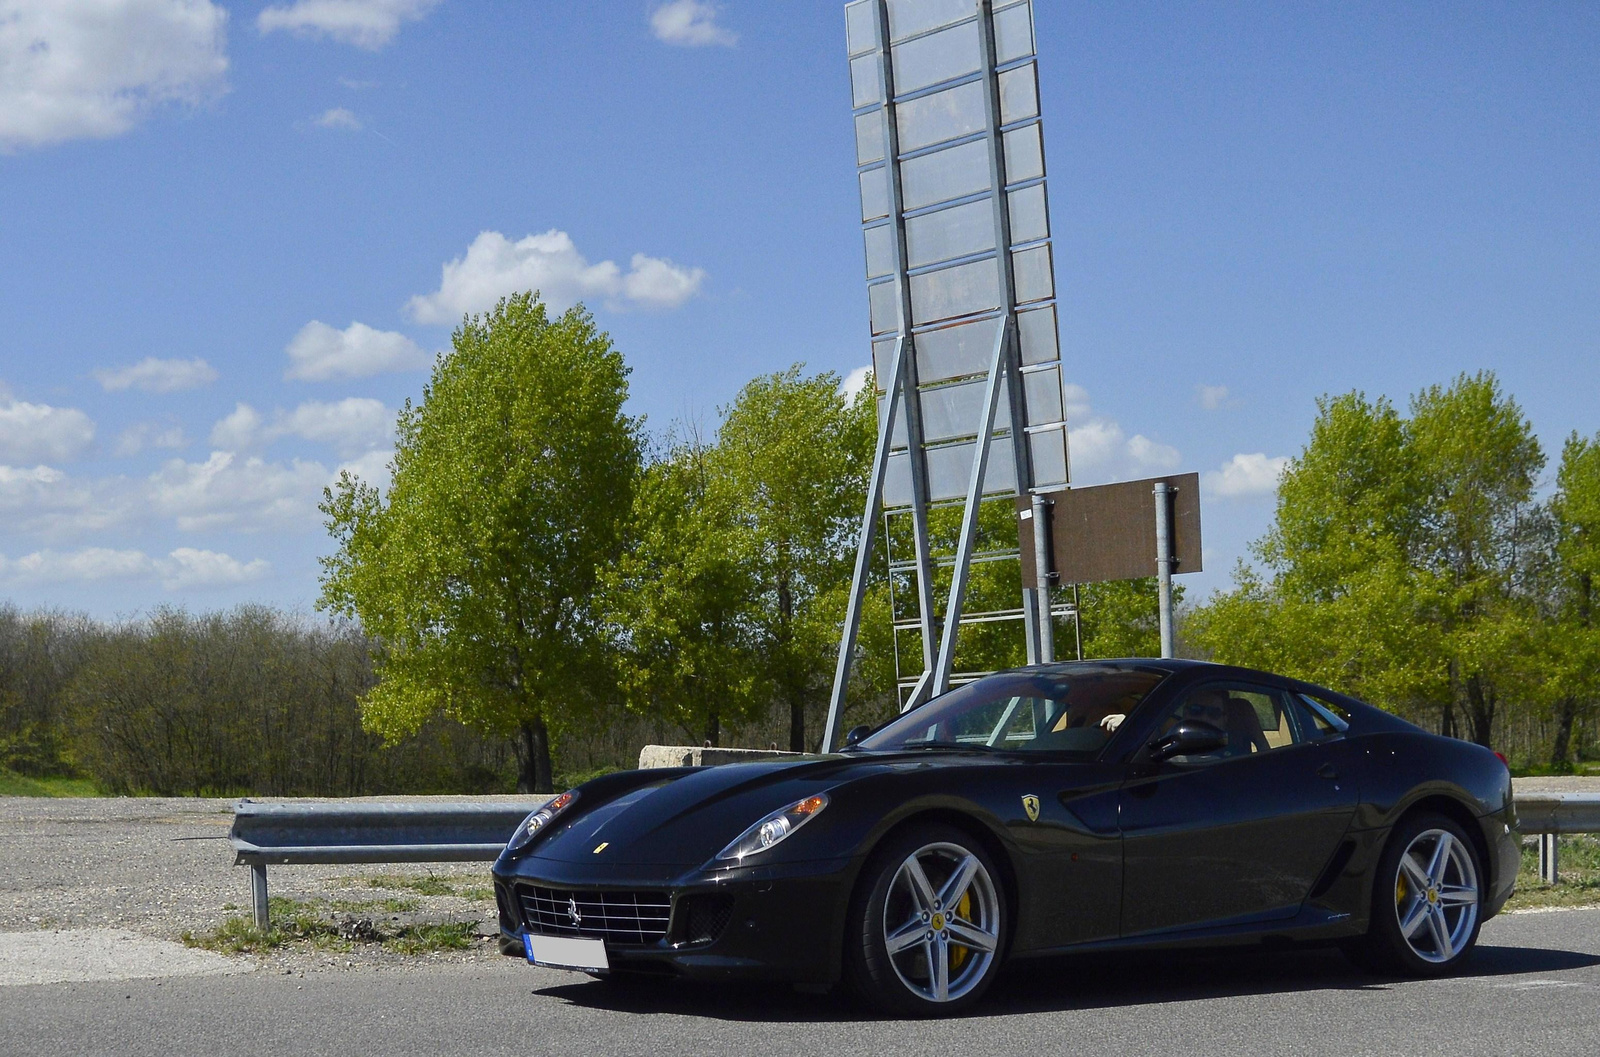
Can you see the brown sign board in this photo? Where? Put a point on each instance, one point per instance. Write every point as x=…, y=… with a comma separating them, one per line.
x=1108, y=532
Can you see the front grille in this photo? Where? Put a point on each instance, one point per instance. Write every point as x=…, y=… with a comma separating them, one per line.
x=622, y=917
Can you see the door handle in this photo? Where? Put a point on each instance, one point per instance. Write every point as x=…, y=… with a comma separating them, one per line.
x=1328, y=771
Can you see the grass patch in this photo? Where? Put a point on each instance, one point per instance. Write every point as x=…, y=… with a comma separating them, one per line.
x=1578, y=859
x=368, y=906
x=424, y=939
x=422, y=884
x=19, y=785
x=317, y=925
x=293, y=921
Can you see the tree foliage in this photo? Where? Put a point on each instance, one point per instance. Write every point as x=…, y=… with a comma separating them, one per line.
x=685, y=606
x=790, y=465
x=478, y=570
x=1403, y=558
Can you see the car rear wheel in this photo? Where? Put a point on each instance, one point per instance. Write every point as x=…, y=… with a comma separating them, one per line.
x=927, y=927
x=1427, y=900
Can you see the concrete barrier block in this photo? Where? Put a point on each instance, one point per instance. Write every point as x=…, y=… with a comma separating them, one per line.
x=652, y=756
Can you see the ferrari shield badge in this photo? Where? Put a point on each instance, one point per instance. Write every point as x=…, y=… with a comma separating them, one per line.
x=1030, y=804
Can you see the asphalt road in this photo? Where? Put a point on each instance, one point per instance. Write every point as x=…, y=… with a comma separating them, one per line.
x=1534, y=987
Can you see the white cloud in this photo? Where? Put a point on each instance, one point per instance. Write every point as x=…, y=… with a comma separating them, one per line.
x=368, y=24
x=1246, y=475
x=144, y=435
x=658, y=283
x=339, y=118
x=495, y=267
x=239, y=431
x=228, y=491
x=1212, y=397
x=88, y=564
x=187, y=567
x=690, y=24
x=351, y=426
x=44, y=500
x=157, y=376
x=373, y=468
x=91, y=69
x=1102, y=451
x=184, y=567
x=39, y=432
x=320, y=352
x=854, y=382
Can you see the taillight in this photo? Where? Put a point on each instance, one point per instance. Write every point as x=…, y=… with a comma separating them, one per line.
x=1502, y=758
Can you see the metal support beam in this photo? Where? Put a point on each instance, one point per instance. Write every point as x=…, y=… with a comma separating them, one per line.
x=1043, y=574
x=869, y=527
x=1164, y=562
x=969, y=518
x=258, y=896
x=1549, y=858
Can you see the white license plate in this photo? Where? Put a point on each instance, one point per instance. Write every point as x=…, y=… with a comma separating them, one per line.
x=565, y=952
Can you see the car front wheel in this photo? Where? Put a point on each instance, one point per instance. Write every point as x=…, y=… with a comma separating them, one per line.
x=927, y=927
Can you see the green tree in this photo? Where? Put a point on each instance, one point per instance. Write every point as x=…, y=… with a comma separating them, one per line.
x=1573, y=646
x=1477, y=462
x=684, y=602
x=1397, y=557
x=477, y=571
x=792, y=458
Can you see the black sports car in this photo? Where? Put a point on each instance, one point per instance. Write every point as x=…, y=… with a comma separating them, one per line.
x=1134, y=803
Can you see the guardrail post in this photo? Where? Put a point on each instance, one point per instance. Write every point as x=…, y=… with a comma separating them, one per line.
x=1549, y=868
x=258, y=895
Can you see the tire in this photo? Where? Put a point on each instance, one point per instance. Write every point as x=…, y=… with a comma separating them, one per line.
x=1427, y=907
x=906, y=952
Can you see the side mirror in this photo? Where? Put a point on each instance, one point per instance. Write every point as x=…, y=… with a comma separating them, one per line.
x=855, y=734
x=1188, y=739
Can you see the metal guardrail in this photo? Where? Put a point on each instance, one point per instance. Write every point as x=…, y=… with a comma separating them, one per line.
x=318, y=833
x=1551, y=814
x=311, y=833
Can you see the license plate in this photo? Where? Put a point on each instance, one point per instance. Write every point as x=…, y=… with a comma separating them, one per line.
x=565, y=952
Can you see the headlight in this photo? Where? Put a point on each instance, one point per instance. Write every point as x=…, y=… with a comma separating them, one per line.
x=774, y=828
x=529, y=827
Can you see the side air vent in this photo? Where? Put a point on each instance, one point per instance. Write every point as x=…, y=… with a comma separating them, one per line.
x=1335, y=867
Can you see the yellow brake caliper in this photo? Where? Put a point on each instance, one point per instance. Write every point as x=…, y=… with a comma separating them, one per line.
x=963, y=910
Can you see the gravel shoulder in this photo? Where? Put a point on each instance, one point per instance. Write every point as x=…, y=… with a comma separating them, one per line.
x=159, y=868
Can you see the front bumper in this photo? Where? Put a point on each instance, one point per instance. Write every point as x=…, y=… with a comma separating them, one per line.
x=780, y=922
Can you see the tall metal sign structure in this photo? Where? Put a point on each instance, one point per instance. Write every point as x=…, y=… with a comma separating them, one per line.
x=961, y=288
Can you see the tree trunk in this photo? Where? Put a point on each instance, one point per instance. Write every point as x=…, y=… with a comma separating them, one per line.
x=533, y=757
x=1566, y=713
x=797, y=725
x=797, y=708
x=713, y=729
x=1480, y=709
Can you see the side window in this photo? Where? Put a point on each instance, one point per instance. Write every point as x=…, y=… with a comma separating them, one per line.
x=1255, y=719
x=1323, y=719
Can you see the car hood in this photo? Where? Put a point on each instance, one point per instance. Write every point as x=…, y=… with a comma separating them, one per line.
x=684, y=818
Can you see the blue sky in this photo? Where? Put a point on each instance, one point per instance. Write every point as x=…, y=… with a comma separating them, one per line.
x=233, y=234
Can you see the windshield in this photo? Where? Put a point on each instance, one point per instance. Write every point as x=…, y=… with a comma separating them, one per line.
x=1072, y=710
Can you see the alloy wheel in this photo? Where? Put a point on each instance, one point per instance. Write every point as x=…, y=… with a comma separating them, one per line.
x=941, y=922
x=1436, y=895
